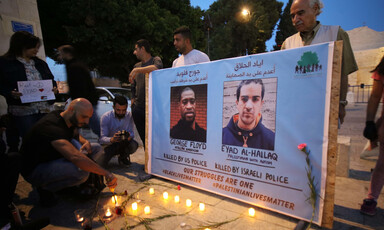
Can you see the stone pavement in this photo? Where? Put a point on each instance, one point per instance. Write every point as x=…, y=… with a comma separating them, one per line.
x=231, y=214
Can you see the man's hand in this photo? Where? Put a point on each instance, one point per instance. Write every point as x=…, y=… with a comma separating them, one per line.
x=111, y=180
x=341, y=113
x=116, y=137
x=132, y=75
x=86, y=147
x=370, y=131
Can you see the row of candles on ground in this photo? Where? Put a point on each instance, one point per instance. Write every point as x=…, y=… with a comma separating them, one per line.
x=147, y=209
x=108, y=210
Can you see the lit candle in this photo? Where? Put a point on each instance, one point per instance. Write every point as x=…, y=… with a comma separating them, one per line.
x=147, y=210
x=108, y=212
x=151, y=191
x=201, y=206
x=165, y=196
x=79, y=218
x=115, y=200
x=134, y=206
x=79, y=215
x=189, y=203
x=251, y=212
x=177, y=199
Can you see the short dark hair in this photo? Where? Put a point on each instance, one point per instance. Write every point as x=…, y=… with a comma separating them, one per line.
x=247, y=82
x=20, y=41
x=183, y=90
x=143, y=42
x=121, y=100
x=184, y=31
x=68, y=49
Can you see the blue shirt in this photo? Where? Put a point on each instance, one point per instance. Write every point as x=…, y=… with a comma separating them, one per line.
x=110, y=125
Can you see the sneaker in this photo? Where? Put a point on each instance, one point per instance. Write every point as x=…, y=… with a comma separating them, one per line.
x=368, y=207
x=124, y=161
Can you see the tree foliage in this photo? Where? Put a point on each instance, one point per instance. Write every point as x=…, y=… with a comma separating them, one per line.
x=285, y=27
x=233, y=34
x=104, y=32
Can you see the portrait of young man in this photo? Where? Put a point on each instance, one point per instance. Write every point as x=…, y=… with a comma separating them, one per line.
x=189, y=113
x=246, y=127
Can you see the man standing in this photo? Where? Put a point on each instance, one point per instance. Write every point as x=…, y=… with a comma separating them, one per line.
x=310, y=31
x=182, y=42
x=146, y=65
x=51, y=162
x=187, y=127
x=246, y=128
x=117, y=131
x=79, y=81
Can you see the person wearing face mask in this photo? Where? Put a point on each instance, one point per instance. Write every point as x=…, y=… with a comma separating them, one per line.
x=117, y=132
x=20, y=63
x=245, y=128
x=310, y=31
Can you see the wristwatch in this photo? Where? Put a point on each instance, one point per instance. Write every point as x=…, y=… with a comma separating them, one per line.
x=344, y=103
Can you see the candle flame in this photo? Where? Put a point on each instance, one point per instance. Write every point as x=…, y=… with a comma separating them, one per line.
x=108, y=213
x=188, y=203
x=251, y=212
x=202, y=206
x=134, y=206
x=79, y=218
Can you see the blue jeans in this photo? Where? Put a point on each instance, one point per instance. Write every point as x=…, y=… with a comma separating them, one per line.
x=61, y=173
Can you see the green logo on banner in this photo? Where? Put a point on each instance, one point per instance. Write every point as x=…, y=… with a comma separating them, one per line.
x=308, y=63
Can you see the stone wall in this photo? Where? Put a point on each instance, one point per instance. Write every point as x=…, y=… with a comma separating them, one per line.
x=366, y=61
x=21, y=11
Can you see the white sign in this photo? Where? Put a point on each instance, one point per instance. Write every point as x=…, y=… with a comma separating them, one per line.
x=36, y=91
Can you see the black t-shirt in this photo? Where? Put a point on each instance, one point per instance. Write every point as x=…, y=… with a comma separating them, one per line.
x=37, y=144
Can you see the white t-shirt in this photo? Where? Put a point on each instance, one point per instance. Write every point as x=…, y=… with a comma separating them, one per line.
x=193, y=57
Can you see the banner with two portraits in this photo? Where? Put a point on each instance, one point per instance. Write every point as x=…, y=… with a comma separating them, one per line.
x=233, y=126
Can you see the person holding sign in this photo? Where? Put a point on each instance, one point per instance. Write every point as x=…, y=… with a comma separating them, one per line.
x=189, y=56
x=245, y=128
x=375, y=132
x=51, y=160
x=117, y=132
x=310, y=31
x=187, y=127
x=20, y=64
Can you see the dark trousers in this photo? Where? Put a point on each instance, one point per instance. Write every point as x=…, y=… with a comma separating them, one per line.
x=138, y=115
x=123, y=149
x=9, y=171
x=19, y=126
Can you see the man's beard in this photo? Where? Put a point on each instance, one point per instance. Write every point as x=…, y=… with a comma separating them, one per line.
x=120, y=116
x=74, y=121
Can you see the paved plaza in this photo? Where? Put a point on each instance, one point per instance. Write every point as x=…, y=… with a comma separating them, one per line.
x=220, y=212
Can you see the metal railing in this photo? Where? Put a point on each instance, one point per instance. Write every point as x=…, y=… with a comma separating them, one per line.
x=361, y=92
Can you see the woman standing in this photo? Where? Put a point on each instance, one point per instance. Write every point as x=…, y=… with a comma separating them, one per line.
x=20, y=63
